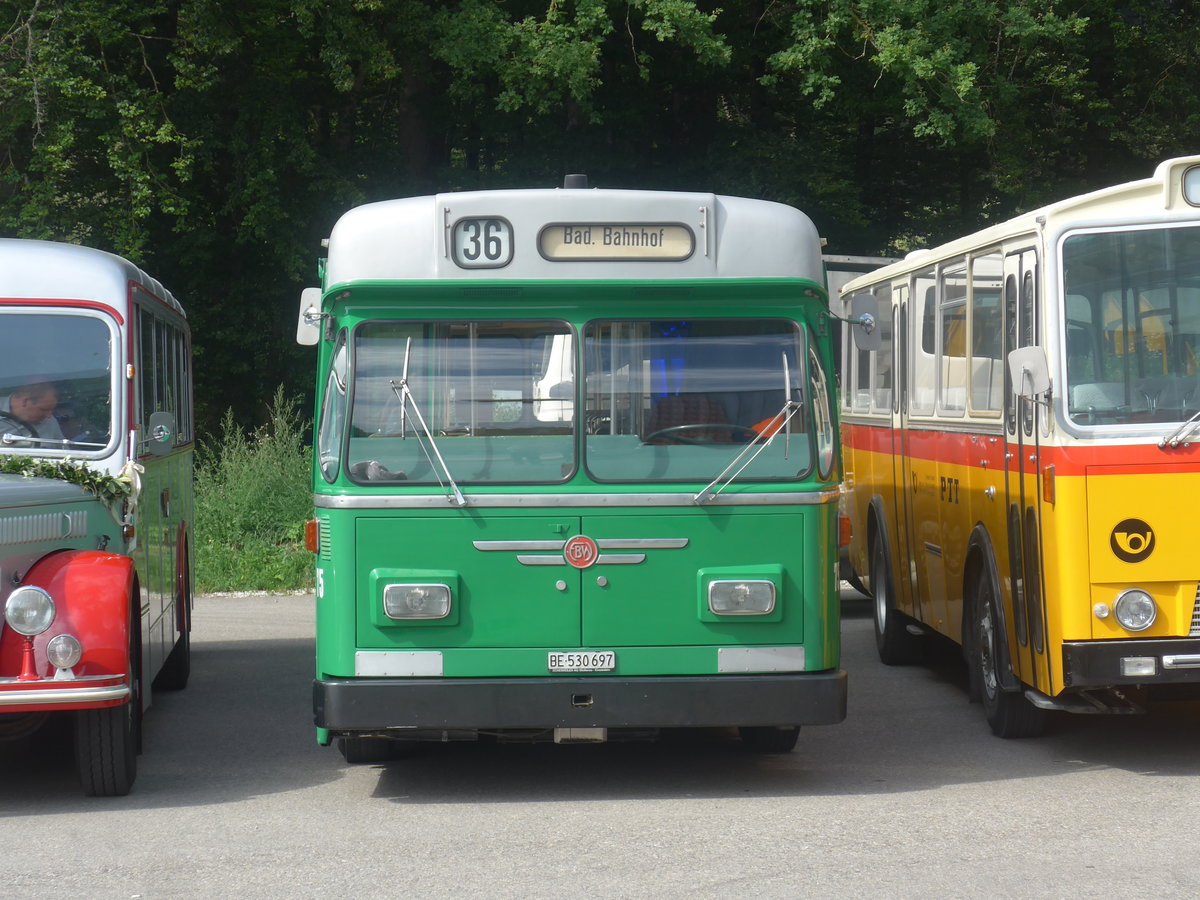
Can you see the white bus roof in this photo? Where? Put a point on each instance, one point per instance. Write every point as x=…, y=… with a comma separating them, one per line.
x=48, y=270
x=732, y=237
x=1164, y=197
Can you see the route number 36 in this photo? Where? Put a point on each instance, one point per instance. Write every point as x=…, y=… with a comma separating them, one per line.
x=482, y=243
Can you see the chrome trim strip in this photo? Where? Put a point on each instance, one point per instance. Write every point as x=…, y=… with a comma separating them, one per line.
x=603, y=544
x=619, y=559
x=518, y=545
x=62, y=695
x=558, y=501
x=604, y=559
x=398, y=663
x=1183, y=661
x=541, y=560
x=760, y=659
x=642, y=543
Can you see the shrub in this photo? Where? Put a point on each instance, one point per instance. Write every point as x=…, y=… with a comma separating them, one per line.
x=253, y=496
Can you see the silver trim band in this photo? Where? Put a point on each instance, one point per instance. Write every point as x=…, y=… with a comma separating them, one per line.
x=604, y=559
x=1182, y=661
x=62, y=695
x=558, y=501
x=602, y=543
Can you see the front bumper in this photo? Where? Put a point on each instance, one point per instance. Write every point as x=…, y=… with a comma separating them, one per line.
x=50, y=694
x=1099, y=663
x=347, y=705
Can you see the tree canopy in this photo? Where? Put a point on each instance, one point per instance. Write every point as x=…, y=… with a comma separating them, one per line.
x=215, y=144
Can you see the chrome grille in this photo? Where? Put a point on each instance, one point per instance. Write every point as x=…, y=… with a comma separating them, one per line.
x=1195, y=630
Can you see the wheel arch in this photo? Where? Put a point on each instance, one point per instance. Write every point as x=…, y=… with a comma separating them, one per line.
x=92, y=593
x=981, y=562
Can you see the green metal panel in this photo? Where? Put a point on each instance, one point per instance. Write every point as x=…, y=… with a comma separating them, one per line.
x=502, y=602
x=658, y=600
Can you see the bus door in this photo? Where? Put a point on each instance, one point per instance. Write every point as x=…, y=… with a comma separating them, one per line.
x=901, y=502
x=921, y=550
x=1026, y=623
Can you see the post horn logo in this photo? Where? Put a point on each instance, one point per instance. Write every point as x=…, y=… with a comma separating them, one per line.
x=1132, y=540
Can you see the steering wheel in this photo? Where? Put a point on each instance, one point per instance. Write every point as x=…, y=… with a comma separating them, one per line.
x=676, y=433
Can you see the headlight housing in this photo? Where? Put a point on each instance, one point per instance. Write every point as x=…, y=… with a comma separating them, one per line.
x=1135, y=609
x=29, y=610
x=416, y=601
x=741, y=598
x=64, y=651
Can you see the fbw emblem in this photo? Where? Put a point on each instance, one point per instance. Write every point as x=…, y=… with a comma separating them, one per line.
x=1132, y=540
x=580, y=551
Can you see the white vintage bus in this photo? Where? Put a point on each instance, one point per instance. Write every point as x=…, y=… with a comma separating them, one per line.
x=95, y=499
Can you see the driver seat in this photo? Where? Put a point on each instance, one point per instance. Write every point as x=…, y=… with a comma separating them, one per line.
x=689, y=409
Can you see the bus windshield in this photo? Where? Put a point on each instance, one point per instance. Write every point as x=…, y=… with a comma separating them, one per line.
x=55, y=383
x=493, y=396
x=676, y=400
x=1132, y=323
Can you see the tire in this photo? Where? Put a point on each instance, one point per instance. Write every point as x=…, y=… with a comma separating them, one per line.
x=1008, y=713
x=174, y=674
x=893, y=641
x=855, y=582
x=770, y=739
x=106, y=748
x=361, y=750
x=177, y=669
x=107, y=740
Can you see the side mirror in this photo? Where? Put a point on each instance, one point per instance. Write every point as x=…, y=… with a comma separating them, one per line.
x=161, y=431
x=864, y=320
x=308, y=327
x=1028, y=371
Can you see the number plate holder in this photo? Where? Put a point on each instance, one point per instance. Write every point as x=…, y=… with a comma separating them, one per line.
x=581, y=660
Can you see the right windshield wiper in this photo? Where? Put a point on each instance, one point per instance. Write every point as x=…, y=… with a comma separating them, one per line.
x=781, y=421
x=1178, y=433
x=424, y=436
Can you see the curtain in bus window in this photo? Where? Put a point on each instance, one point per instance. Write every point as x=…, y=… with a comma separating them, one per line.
x=881, y=382
x=1132, y=312
x=924, y=378
x=952, y=314
x=987, y=370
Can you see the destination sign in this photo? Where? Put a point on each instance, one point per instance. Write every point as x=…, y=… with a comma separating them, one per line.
x=616, y=241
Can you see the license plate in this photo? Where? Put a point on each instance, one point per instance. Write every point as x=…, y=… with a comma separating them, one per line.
x=581, y=660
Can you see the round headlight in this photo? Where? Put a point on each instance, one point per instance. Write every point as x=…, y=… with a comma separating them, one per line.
x=64, y=651
x=1135, y=610
x=29, y=610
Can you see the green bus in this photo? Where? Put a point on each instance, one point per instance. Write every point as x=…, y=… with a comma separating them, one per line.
x=576, y=470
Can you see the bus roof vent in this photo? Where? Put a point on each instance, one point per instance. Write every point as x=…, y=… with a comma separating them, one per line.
x=575, y=182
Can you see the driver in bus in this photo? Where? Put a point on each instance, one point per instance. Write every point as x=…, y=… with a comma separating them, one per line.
x=29, y=413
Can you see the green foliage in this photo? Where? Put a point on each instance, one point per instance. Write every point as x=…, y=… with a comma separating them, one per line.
x=253, y=495
x=216, y=144
x=109, y=489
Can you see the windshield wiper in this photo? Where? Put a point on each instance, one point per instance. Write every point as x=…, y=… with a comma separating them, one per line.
x=781, y=421
x=454, y=495
x=1177, y=435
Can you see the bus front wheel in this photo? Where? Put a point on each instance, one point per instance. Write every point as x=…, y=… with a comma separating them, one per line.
x=360, y=750
x=770, y=739
x=893, y=640
x=1008, y=713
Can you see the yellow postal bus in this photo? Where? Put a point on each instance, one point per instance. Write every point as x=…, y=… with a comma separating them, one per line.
x=1021, y=456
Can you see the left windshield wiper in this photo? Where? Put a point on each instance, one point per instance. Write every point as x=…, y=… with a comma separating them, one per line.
x=424, y=436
